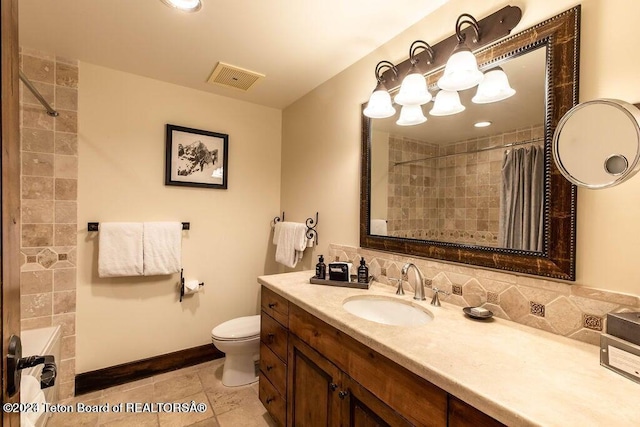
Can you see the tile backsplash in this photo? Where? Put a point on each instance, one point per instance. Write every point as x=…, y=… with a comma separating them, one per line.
x=571, y=310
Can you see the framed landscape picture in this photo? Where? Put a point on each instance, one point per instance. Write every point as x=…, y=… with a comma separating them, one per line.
x=196, y=158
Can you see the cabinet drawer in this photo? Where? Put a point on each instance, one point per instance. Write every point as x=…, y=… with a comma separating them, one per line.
x=275, y=306
x=274, y=336
x=274, y=369
x=272, y=400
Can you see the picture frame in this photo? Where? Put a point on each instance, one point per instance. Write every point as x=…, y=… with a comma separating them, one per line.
x=196, y=158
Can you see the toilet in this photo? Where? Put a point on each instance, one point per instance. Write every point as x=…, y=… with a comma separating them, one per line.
x=239, y=340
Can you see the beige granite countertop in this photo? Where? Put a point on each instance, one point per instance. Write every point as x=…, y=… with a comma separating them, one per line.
x=519, y=375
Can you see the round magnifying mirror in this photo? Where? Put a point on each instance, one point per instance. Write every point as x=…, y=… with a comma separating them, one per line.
x=597, y=143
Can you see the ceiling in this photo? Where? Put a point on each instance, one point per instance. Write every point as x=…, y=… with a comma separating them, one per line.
x=297, y=44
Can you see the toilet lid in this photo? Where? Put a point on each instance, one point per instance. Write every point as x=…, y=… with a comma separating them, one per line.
x=238, y=328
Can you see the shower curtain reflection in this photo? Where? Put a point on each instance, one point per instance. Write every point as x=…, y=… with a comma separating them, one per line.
x=521, y=199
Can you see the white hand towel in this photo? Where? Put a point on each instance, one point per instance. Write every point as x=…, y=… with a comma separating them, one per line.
x=378, y=227
x=162, y=248
x=291, y=242
x=120, y=249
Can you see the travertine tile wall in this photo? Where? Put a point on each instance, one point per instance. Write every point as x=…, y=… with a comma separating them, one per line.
x=469, y=187
x=571, y=310
x=454, y=198
x=412, y=189
x=49, y=203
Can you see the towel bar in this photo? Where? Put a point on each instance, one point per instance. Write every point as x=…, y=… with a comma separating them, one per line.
x=93, y=226
x=312, y=233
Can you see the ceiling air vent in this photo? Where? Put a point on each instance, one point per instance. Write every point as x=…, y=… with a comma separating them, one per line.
x=236, y=77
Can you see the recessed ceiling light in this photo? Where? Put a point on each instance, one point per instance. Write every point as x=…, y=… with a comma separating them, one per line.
x=482, y=124
x=185, y=5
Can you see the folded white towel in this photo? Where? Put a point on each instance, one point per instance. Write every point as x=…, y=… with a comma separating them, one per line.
x=120, y=249
x=162, y=248
x=291, y=241
x=378, y=227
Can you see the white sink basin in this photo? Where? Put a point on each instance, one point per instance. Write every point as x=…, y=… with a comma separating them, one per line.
x=388, y=311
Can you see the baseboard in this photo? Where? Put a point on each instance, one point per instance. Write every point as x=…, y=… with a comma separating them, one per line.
x=139, y=369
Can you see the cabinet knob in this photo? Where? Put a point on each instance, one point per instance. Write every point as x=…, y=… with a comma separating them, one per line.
x=269, y=367
x=270, y=399
x=271, y=336
x=333, y=386
x=342, y=394
x=272, y=304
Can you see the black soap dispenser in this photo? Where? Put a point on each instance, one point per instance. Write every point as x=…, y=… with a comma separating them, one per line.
x=321, y=269
x=363, y=272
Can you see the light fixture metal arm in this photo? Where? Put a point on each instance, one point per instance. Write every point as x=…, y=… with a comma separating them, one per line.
x=465, y=18
x=381, y=67
x=422, y=46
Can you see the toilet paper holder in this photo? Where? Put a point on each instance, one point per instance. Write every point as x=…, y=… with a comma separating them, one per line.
x=182, y=284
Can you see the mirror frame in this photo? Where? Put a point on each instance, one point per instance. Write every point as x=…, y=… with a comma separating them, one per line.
x=560, y=35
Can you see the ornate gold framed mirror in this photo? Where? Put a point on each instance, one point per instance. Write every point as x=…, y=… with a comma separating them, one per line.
x=445, y=193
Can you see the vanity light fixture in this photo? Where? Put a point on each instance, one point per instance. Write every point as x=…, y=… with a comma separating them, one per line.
x=482, y=124
x=461, y=71
x=413, y=90
x=411, y=115
x=447, y=103
x=379, y=106
x=494, y=87
x=184, y=5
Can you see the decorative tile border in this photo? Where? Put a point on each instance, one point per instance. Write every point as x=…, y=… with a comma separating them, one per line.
x=592, y=322
x=493, y=298
x=565, y=309
x=537, y=309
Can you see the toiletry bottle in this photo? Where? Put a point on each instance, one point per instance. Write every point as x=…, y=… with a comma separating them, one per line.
x=363, y=272
x=321, y=269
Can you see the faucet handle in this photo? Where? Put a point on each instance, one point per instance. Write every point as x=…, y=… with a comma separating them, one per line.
x=400, y=289
x=435, y=301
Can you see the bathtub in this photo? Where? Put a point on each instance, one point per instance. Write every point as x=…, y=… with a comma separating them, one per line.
x=41, y=342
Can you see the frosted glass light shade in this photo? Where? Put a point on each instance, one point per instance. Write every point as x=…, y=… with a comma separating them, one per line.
x=447, y=102
x=411, y=115
x=413, y=91
x=461, y=71
x=379, y=105
x=494, y=87
x=185, y=5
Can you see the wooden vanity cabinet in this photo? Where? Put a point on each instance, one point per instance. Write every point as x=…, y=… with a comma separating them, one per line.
x=464, y=415
x=274, y=338
x=327, y=378
x=320, y=394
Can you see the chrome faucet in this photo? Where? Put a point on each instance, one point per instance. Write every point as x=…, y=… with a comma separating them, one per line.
x=419, y=295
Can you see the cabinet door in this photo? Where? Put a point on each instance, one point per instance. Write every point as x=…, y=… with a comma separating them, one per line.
x=313, y=387
x=360, y=408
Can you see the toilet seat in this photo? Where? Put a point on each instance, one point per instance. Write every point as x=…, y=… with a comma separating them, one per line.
x=239, y=329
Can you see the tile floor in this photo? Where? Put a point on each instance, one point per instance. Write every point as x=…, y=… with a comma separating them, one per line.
x=226, y=406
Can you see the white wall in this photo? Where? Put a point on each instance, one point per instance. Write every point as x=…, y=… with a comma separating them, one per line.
x=324, y=126
x=121, y=178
